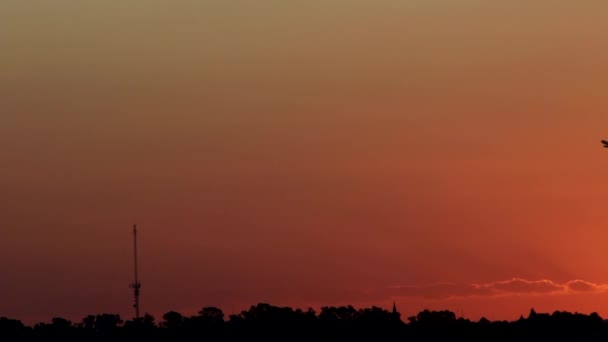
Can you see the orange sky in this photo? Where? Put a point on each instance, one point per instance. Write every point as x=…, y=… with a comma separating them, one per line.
x=441, y=154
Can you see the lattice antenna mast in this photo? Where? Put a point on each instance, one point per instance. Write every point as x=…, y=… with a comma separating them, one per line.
x=136, y=285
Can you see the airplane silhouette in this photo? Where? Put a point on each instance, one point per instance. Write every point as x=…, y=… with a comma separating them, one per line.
x=605, y=142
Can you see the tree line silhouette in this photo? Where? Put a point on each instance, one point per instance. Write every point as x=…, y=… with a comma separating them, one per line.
x=265, y=322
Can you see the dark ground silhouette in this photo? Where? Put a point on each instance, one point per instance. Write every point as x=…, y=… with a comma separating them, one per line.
x=265, y=322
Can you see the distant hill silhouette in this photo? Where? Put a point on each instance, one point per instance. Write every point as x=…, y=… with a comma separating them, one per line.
x=265, y=322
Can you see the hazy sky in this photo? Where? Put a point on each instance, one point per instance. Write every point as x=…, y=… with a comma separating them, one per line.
x=441, y=154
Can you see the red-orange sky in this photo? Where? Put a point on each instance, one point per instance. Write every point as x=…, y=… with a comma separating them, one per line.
x=440, y=154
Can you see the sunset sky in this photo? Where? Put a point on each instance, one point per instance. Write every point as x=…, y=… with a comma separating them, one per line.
x=436, y=153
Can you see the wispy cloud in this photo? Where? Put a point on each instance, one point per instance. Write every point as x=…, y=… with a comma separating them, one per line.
x=585, y=286
x=514, y=286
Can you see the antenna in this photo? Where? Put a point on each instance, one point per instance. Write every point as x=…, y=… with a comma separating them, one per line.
x=136, y=285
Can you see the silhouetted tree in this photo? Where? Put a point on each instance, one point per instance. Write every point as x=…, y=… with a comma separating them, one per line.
x=265, y=322
x=59, y=329
x=172, y=320
x=12, y=329
x=142, y=328
x=107, y=325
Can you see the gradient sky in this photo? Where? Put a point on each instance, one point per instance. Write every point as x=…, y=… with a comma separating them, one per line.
x=441, y=154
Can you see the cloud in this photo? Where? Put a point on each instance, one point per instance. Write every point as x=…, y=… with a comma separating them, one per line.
x=585, y=286
x=519, y=286
x=514, y=286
